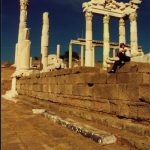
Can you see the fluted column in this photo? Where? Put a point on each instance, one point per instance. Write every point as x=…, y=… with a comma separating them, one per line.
x=133, y=33
x=82, y=55
x=45, y=41
x=89, y=37
x=58, y=51
x=70, y=56
x=106, y=46
x=122, y=36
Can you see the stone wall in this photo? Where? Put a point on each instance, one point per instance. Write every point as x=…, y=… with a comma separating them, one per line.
x=6, y=86
x=124, y=94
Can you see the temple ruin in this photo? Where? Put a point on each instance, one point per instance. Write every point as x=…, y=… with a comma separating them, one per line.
x=120, y=103
x=108, y=9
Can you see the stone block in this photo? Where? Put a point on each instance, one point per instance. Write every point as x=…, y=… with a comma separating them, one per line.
x=52, y=88
x=129, y=67
x=144, y=112
x=45, y=88
x=146, y=78
x=111, y=78
x=67, y=89
x=44, y=95
x=61, y=79
x=144, y=93
x=84, y=70
x=144, y=67
x=82, y=90
x=106, y=91
x=52, y=80
x=136, y=78
x=114, y=107
x=128, y=92
x=133, y=111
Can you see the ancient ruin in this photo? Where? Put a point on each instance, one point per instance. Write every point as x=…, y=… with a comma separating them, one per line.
x=108, y=9
x=117, y=104
x=45, y=41
x=22, y=52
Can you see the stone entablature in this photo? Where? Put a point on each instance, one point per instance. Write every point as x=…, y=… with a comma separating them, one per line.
x=111, y=7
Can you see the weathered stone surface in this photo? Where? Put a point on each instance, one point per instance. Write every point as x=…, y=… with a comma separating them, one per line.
x=108, y=91
x=144, y=67
x=136, y=78
x=144, y=112
x=128, y=92
x=144, y=93
x=146, y=78
x=111, y=78
x=129, y=67
x=82, y=90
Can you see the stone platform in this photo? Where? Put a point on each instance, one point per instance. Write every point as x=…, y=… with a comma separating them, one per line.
x=119, y=101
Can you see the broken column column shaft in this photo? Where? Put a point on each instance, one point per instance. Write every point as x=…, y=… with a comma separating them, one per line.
x=58, y=51
x=45, y=41
x=22, y=53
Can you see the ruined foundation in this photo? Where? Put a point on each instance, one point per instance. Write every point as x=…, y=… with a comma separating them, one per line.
x=120, y=101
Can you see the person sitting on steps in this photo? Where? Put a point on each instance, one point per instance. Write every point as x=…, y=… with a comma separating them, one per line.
x=124, y=56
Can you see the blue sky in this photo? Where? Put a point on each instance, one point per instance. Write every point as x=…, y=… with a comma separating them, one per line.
x=66, y=22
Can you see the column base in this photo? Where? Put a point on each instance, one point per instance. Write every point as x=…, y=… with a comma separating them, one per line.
x=10, y=95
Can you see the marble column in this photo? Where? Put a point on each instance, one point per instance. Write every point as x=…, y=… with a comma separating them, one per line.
x=133, y=33
x=82, y=55
x=22, y=26
x=58, y=51
x=93, y=56
x=114, y=52
x=122, y=36
x=23, y=60
x=106, y=46
x=89, y=37
x=70, y=56
x=45, y=41
x=31, y=62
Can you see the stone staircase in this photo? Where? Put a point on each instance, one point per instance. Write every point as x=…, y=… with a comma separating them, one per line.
x=129, y=133
x=115, y=103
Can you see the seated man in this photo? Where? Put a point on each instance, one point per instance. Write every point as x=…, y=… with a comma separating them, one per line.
x=124, y=56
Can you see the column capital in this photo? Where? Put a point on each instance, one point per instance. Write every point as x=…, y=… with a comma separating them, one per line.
x=133, y=16
x=106, y=19
x=23, y=4
x=88, y=15
x=121, y=22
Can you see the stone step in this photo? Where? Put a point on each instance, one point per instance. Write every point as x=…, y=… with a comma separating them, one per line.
x=125, y=134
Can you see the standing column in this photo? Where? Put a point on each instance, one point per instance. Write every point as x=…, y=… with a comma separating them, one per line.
x=22, y=27
x=88, y=52
x=70, y=56
x=122, y=36
x=58, y=51
x=45, y=41
x=106, y=46
x=30, y=62
x=93, y=57
x=133, y=33
x=82, y=55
